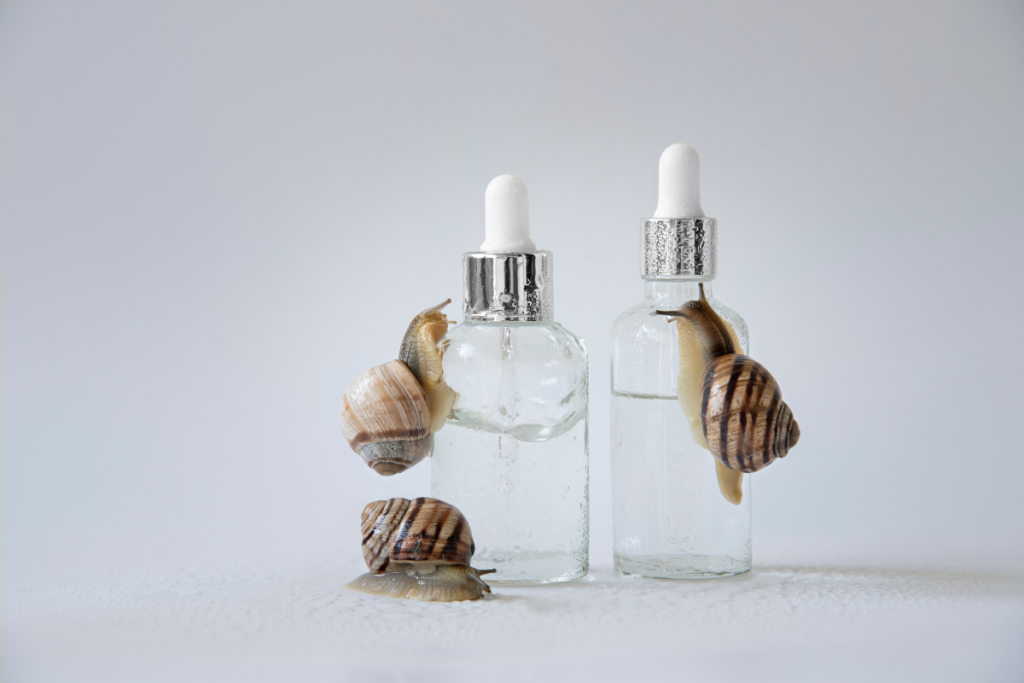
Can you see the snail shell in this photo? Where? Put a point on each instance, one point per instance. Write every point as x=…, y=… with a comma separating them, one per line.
x=745, y=421
x=420, y=530
x=385, y=418
x=418, y=549
x=389, y=413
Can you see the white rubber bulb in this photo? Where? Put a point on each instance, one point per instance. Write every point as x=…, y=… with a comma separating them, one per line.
x=679, y=183
x=507, y=217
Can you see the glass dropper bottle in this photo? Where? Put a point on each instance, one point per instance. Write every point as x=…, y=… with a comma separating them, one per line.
x=514, y=454
x=670, y=519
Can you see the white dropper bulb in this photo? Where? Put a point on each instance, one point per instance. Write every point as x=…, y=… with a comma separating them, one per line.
x=679, y=183
x=507, y=217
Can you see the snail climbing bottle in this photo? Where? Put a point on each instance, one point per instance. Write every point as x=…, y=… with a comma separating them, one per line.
x=513, y=455
x=671, y=519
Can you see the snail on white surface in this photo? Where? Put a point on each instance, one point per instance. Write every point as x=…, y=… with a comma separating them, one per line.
x=732, y=402
x=390, y=413
x=418, y=549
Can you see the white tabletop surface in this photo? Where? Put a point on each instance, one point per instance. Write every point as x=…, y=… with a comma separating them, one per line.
x=845, y=616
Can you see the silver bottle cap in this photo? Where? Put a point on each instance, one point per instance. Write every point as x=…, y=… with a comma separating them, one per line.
x=676, y=248
x=512, y=287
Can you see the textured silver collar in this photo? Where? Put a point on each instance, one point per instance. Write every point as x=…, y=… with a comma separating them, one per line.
x=679, y=247
x=514, y=287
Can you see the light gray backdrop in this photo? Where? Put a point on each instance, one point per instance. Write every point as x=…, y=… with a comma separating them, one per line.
x=214, y=215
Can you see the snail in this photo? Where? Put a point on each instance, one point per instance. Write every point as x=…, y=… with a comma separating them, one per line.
x=732, y=403
x=418, y=549
x=390, y=413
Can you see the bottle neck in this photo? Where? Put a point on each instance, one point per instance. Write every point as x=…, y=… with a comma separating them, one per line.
x=675, y=289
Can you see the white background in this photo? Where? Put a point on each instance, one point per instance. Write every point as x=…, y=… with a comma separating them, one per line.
x=214, y=215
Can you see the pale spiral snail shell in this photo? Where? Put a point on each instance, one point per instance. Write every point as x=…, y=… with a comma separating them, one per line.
x=390, y=412
x=418, y=549
x=728, y=423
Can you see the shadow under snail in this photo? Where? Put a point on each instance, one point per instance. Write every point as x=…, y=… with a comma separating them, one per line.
x=390, y=413
x=418, y=549
x=733, y=404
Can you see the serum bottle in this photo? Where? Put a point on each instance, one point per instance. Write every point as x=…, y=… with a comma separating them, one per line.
x=513, y=456
x=670, y=519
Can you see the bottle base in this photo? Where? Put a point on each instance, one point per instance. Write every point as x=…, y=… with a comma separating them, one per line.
x=680, y=566
x=526, y=569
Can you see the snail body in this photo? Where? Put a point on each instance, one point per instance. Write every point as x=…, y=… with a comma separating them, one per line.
x=418, y=549
x=420, y=353
x=727, y=398
x=390, y=412
x=703, y=336
x=448, y=583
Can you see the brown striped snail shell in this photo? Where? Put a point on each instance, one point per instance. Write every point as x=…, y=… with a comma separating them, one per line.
x=418, y=549
x=390, y=412
x=745, y=421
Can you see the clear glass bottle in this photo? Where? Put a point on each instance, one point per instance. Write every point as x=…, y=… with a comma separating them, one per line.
x=514, y=454
x=670, y=519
